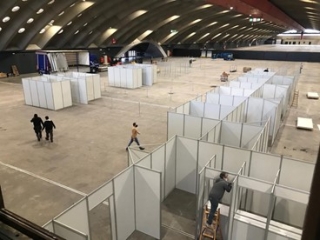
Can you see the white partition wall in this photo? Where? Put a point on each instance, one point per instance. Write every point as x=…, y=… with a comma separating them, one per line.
x=125, y=77
x=41, y=92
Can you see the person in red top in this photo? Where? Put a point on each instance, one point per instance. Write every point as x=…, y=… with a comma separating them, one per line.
x=134, y=134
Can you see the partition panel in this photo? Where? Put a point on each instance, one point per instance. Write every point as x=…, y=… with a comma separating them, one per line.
x=83, y=91
x=27, y=91
x=249, y=135
x=49, y=226
x=76, y=217
x=158, y=164
x=225, y=110
x=49, y=96
x=296, y=174
x=170, y=172
x=192, y=127
x=97, y=86
x=57, y=95
x=248, y=92
x=260, y=162
x=226, y=100
x=186, y=163
x=212, y=111
x=237, y=92
x=254, y=110
x=66, y=93
x=213, y=98
x=206, y=152
x=269, y=91
x=100, y=195
x=289, y=212
x=145, y=162
x=200, y=201
x=233, y=158
x=208, y=125
x=186, y=108
x=175, y=124
x=34, y=93
x=113, y=217
x=41, y=94
x=230, y=133
x=67, y=232
x=136, y=155
x=124, y=205
x=148, y=201
x=291, y=194
x=196, y=109
x=242, y=230
x=255, y=184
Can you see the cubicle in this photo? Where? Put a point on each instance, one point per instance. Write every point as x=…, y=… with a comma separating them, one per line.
x=42, y=92
x=125, y=77
x=85, y=87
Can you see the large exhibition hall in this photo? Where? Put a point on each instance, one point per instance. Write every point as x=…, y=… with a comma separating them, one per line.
x=159, y=119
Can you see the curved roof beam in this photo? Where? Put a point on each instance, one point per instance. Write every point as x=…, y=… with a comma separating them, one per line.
x=130, y=46
x=130, y=25
x=162, y=18
x=40, y=22
x=71, y=22
x=112, y=21
x=17, y=22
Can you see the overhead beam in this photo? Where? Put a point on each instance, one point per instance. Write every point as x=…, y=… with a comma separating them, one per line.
x=261, y=8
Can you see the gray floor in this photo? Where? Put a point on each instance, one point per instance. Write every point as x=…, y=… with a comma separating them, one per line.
x=40, y=179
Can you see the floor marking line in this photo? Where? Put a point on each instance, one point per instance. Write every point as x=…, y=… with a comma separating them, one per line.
x=44, y=179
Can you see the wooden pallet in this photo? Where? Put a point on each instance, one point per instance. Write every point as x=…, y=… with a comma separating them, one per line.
x=15, y=70
x=295, y=99
x=214, y=231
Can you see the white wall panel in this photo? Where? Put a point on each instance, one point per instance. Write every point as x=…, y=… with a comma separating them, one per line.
x=208, y=124
x=269, y=91
x=230, y=134
x=100, y=195
x=158, y=163
x=147, y=201
x=97, y=86
x=175, y=124
x=41, y=94
x=111, y=76
x=57, y=95
x=186, y=108
x=197, y=109
x=237, y=91
x=49, y=96
x=206, y=152
x=66, y=93
x=260, y=162
x=63, y=231
x=233, y=158
x=76, y=217
x=90, y=91
x=135, y=155
x=192, y=127
x=212, y=98
x=254, y=110
x=186, y=164
x=212, y=111
x=34, y=93
x=27, y=91
x=255, y=184
x=170, y=172
x=225, y=111
x=245, y=231
x=226, y=100
x=249, y=135
x=125, y=209
x=296, y=174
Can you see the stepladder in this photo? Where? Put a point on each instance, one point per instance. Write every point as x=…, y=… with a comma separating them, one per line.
x=213, y=231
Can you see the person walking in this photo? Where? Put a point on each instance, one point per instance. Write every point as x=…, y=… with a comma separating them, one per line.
x=48, y=125
x=220, y=185
x=37, y=126
x=134, y=134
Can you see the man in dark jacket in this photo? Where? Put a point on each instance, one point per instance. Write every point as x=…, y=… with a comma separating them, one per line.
x=37, y=126
x=48, y=125
x=220, y=185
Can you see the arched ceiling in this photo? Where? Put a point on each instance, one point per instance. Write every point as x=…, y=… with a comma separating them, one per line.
x=76, y=24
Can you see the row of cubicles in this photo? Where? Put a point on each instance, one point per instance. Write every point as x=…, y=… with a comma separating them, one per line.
x=132, y=75
x=262, y=204
x=61, y=90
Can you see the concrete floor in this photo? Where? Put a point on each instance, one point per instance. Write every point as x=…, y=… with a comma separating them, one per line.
x=41, y=179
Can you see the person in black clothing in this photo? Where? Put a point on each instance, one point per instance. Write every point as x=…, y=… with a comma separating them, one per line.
x=37, y=126
x=48, y=125
x=220, y=185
